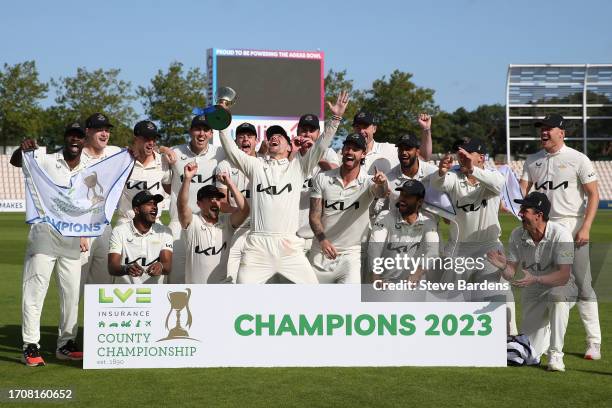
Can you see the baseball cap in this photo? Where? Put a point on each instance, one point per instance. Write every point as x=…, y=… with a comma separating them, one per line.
x=144, y=197
x=309, y=119
x=199, y=120
x=536, y=200
x=474, y=145
x=554, y=120
x=412, y=187
x=146, y=128
x=408, y=140
x=209, y=191
x=277, y=130
x=246, y=128
x=74, y=127
x=97, y=121
x=363, y=118
x=356, y=139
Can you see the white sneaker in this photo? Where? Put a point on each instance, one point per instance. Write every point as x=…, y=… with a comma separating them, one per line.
x=555, y=362
x=593, y=352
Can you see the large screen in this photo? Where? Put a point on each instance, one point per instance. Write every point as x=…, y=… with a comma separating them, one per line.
x=272, y=87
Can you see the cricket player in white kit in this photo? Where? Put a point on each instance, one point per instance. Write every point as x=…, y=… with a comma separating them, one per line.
x=272, y=246
x=207, y=156
x=339, y=214
x=475, y=193
x=149, y=171
x=567, y=177
x=246, y=140
x=308, y=129
x=207, y=233
x=48, y=251
x=544, y=251
x=404, y=230
x=140, y=250
x=98, y=131
x=410, y=167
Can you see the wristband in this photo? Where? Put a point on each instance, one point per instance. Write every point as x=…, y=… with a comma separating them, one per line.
x=336, y=117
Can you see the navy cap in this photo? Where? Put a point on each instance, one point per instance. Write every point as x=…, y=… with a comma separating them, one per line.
x=363, y=118
x=74, y=127
x=357, y=140
x=277, y=130
x=97, y=121
x=536, y=200
x=199, y=120
x=412, y=187
x=309, y=119
x=554, y=120
x=144, y=197
x=146, y=128
x=474, y=146
x=246, y=128
x=209, y=191
x=408, y=140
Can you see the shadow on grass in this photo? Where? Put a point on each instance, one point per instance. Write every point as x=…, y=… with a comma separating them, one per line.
x=11, y=345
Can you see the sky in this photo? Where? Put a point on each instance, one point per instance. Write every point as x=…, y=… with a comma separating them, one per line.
x=461, y=49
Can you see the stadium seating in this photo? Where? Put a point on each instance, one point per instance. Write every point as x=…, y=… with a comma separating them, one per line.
x=12, y=187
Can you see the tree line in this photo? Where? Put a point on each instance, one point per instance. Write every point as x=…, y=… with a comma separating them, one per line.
x=171, y=94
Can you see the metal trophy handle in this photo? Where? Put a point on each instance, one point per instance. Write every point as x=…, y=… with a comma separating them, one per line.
x=218, y=116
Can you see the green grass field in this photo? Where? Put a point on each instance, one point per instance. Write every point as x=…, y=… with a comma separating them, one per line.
x=585, y=383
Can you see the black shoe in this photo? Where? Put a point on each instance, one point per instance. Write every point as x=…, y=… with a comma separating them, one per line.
x=31, y=356
x=69, y=351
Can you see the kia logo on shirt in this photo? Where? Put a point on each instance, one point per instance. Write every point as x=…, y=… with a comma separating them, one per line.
x=403, y=248
x=210, y=251
x=142, y=185
x=199, y=179
x=272, y=190
x=472, y=207
x=548, y=185
x=339, y=205
x=536, y=267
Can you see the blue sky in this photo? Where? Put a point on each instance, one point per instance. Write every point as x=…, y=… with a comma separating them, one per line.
x=461, y=49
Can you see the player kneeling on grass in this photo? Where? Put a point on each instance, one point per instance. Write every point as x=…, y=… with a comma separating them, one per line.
x=403, y=231
x=207, y=234
x=339, y=214
x=544, y=251
x=140, y=250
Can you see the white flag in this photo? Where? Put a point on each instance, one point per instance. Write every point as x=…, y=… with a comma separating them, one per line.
x=86, y=205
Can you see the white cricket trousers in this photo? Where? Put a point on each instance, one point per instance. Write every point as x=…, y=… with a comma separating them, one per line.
x=346, y=268
x=235, y=252
x=266, y=254
x=37, y=272
x=179, y=254
x=581, y=269
x=545, y=322
x=94, y=263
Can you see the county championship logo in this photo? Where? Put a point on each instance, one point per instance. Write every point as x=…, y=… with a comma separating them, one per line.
x=179, y=301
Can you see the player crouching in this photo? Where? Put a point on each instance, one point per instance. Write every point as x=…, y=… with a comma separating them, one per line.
x=544, y=251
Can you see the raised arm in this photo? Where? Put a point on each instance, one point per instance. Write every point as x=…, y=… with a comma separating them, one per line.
x=26, y=145
x=182, y=200
x=237, y=157
x=444, y=180
x=426, y=144
x=237, y=217
x=316, y=152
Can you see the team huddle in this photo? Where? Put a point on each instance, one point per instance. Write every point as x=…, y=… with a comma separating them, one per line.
x=296, y=211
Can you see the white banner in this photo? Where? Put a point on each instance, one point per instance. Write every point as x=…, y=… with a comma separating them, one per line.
x=148, y=326
x=83, y=208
